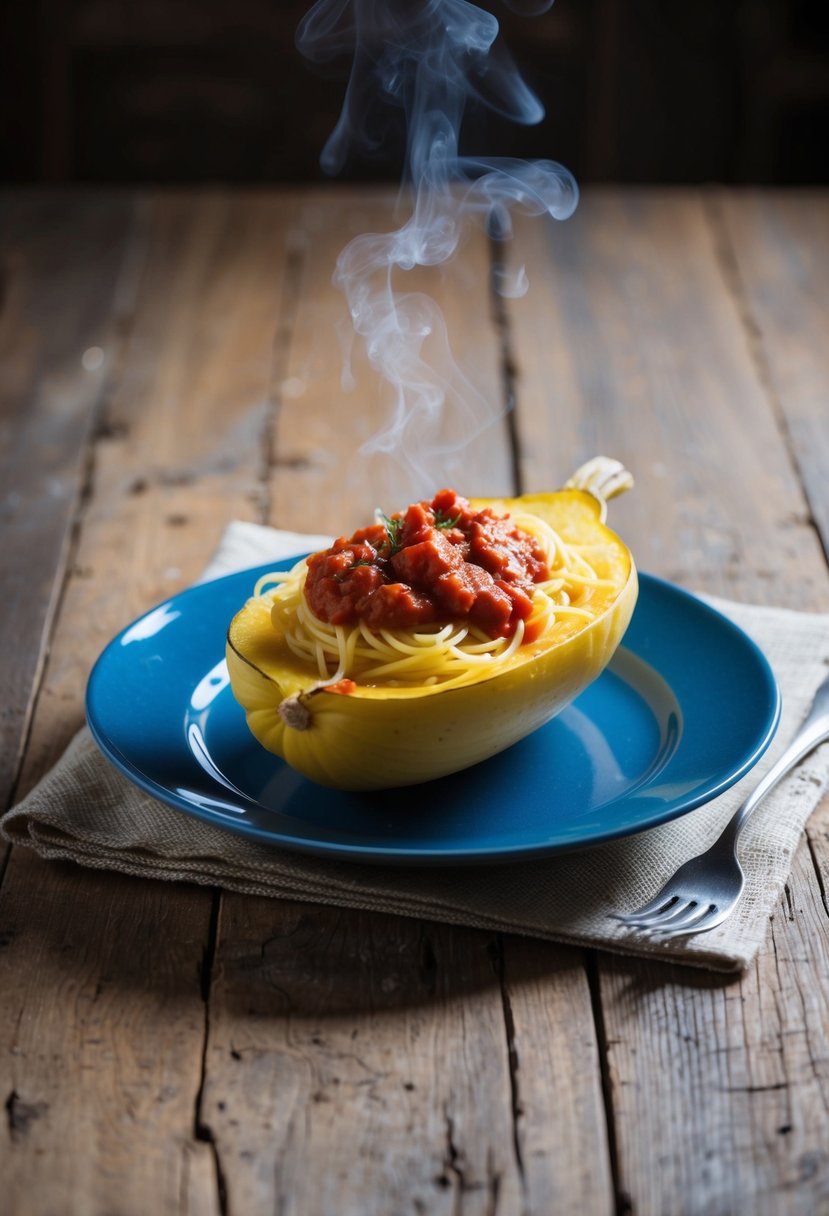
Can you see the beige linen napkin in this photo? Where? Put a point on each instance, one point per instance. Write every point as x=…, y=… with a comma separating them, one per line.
x=85, y=811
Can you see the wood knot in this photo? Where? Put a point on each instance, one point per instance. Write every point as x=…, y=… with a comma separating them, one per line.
x=21, y=1115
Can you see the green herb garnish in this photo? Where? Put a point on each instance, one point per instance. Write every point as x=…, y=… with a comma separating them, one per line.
x=394, y=530
x=342, y=574
x=444, y=521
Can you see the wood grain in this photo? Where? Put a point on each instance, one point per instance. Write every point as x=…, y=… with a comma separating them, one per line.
x=116, y=1059
x=100, y=1043
x=779, y=244
x=364, y=1043
x=62, y=260
x=718, y=1093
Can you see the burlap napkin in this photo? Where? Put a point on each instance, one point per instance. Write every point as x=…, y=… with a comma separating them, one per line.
x=85, y=811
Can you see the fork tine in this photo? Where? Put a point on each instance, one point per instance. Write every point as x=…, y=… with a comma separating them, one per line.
x=674, y=912
x=690, y=913
x=709, y=918
x=659, y=903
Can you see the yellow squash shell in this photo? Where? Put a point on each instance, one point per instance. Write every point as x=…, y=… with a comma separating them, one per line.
x=378, y=738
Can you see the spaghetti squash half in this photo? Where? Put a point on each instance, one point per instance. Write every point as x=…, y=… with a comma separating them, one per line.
x=436, y=637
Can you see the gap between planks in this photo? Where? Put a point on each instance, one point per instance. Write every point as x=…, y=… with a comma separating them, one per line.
x=201, y=1129
x=725, y=256
x=623, y=1202
x=296, y=249
x=507, y=367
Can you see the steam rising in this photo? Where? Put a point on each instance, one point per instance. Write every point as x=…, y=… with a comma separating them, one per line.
x=427, y=58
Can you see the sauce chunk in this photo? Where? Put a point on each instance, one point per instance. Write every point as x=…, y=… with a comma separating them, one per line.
x=437, y=561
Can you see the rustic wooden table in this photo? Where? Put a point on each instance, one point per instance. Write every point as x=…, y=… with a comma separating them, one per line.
x=168, y=364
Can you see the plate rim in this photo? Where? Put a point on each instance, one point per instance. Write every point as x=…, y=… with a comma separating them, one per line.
x=432, y=856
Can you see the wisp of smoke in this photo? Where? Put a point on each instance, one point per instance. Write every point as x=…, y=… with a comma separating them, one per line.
x=428, y=58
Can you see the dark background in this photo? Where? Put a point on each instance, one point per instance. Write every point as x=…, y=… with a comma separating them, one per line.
x=214, y=90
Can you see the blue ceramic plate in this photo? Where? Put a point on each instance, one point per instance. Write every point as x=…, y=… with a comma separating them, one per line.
x=685, y=708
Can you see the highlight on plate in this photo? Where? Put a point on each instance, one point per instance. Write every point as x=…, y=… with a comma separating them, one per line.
x=435, y=636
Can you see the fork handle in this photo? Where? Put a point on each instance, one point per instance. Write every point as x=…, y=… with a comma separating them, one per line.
x=815, y=730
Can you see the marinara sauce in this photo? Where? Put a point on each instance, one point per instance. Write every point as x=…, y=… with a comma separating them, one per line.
x=437, y=561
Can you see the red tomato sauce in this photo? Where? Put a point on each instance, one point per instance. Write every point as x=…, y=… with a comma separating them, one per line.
x=437, y=561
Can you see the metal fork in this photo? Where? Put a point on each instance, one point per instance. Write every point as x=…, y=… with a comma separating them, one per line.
x=704, y=891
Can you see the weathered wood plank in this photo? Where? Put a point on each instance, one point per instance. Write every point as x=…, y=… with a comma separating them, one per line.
x=179, y=452
x=561, y=1126
x=100, y=1043
x=641, y=351
x=62, y=260
x=780, y=247
x=475, y=1079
